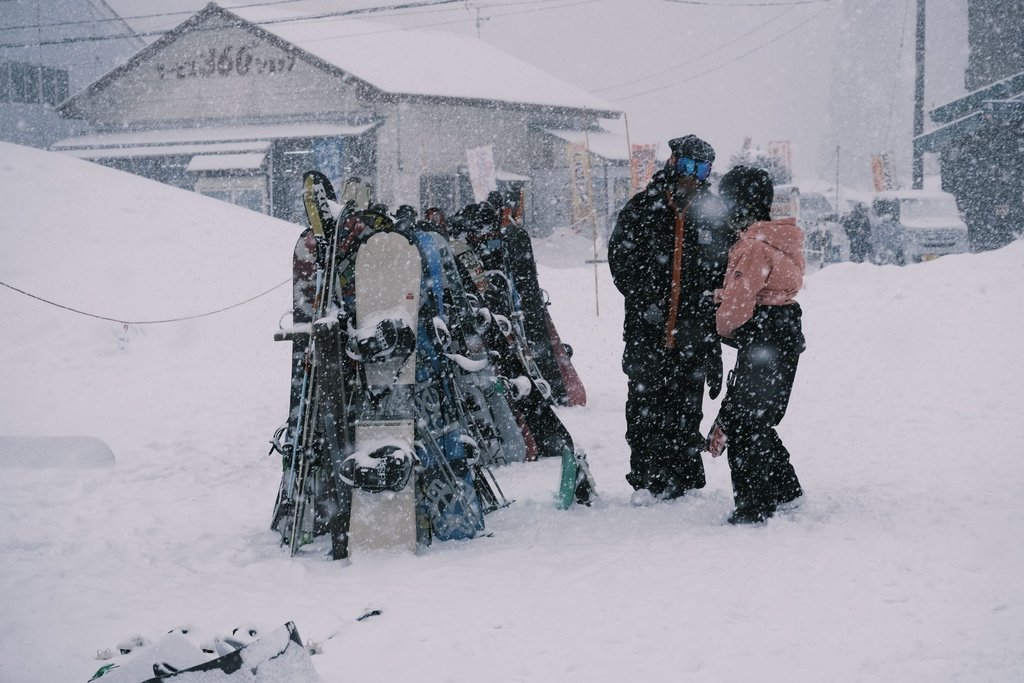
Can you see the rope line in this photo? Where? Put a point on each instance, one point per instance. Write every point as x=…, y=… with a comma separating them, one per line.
x=146, y=322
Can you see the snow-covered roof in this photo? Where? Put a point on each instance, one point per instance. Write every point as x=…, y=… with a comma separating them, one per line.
x=508, y=176
x=226, y=162
x=169, y=136
x=418, y=62
x=602, y=143
x=912, y=194
x=163, y=150
x=393, y=60
x=1008, y=88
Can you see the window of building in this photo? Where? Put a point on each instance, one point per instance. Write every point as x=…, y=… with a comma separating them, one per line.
x=247, y=192
x=291, y=159
x=249, y=199
x=5, y=82
x=55, y=85
x=33, y=84
x=223, y=195
x=24, y=83
x=439, y=191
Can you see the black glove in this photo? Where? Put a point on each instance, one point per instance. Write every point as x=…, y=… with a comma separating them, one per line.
x=713, y=368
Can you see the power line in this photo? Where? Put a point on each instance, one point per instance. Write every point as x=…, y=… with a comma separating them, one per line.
x=460, y=21
x=270, y=3
x=300, y=18
x=692, y=61
x=726, y=5
x=725, y=64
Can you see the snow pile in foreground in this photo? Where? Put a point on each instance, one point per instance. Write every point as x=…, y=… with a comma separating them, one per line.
x=903, y=564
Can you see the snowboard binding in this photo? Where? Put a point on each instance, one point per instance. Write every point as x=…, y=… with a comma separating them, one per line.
x=391, y=338
x=388, y=468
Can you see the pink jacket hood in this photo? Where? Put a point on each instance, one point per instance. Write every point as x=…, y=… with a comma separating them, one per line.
x=766, y=268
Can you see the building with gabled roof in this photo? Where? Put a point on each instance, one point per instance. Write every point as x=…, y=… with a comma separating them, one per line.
x=270, y=94
x=47, y=51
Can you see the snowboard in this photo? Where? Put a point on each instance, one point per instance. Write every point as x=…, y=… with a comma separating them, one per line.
x=575, y=392
x=577, y=483
x=519, y=264
x=482, y=393
x=451, y=487
x=380, y=472
x=527, y=391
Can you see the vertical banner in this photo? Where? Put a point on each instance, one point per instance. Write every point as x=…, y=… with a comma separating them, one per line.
x=642, y=162
x=888, y=176
x=578, y=158
x=482, y=174
x=881, y=173
x=786, y=204
x=781, y=153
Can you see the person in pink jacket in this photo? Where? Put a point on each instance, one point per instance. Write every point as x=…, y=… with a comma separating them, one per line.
x=759, y=316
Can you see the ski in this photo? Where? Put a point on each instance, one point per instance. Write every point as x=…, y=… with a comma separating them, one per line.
x=311, y=500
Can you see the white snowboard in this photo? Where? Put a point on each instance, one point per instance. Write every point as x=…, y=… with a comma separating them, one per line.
x=387, y=279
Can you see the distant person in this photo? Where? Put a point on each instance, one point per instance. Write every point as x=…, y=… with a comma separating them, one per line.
x=758, y=315
x=857, y=225
x=667, y=255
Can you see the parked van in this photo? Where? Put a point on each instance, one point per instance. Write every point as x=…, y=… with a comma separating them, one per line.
x=916, y=225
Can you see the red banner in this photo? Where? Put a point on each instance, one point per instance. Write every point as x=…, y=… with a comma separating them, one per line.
x=642, y=163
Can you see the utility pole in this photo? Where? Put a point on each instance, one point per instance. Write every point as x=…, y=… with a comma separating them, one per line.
x=479, y=21
x=839, y=211
x=919, y=95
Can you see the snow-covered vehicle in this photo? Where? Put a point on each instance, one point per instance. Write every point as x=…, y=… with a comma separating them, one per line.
x=825, y=238
x=825, y=241
x=916, y=225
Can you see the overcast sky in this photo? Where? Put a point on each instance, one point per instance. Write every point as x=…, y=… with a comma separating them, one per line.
x=820, y=73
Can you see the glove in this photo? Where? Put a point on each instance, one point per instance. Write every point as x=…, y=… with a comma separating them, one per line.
x=716, y=441
x=713, y=368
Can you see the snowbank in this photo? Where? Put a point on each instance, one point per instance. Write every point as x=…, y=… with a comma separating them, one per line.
x=903, y=564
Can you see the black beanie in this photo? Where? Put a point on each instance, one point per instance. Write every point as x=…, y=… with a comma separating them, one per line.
x=693, y=147
x=750, y=192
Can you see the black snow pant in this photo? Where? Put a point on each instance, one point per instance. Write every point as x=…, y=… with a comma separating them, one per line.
x=768, y=349
x=664, y=408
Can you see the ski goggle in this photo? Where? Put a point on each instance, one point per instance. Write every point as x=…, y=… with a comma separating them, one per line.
x=698, y=169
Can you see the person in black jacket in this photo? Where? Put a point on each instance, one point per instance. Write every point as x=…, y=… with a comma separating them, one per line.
x=667, y=255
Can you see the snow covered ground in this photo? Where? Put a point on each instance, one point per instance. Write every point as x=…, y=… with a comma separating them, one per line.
x=904, y=563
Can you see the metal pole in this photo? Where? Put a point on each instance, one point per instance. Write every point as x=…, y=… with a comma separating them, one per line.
x=919, y=96
x=593, y=215
x=838, y=210
x=629, y=155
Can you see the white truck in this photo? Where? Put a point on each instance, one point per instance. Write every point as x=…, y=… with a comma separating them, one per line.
x=916, y=225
